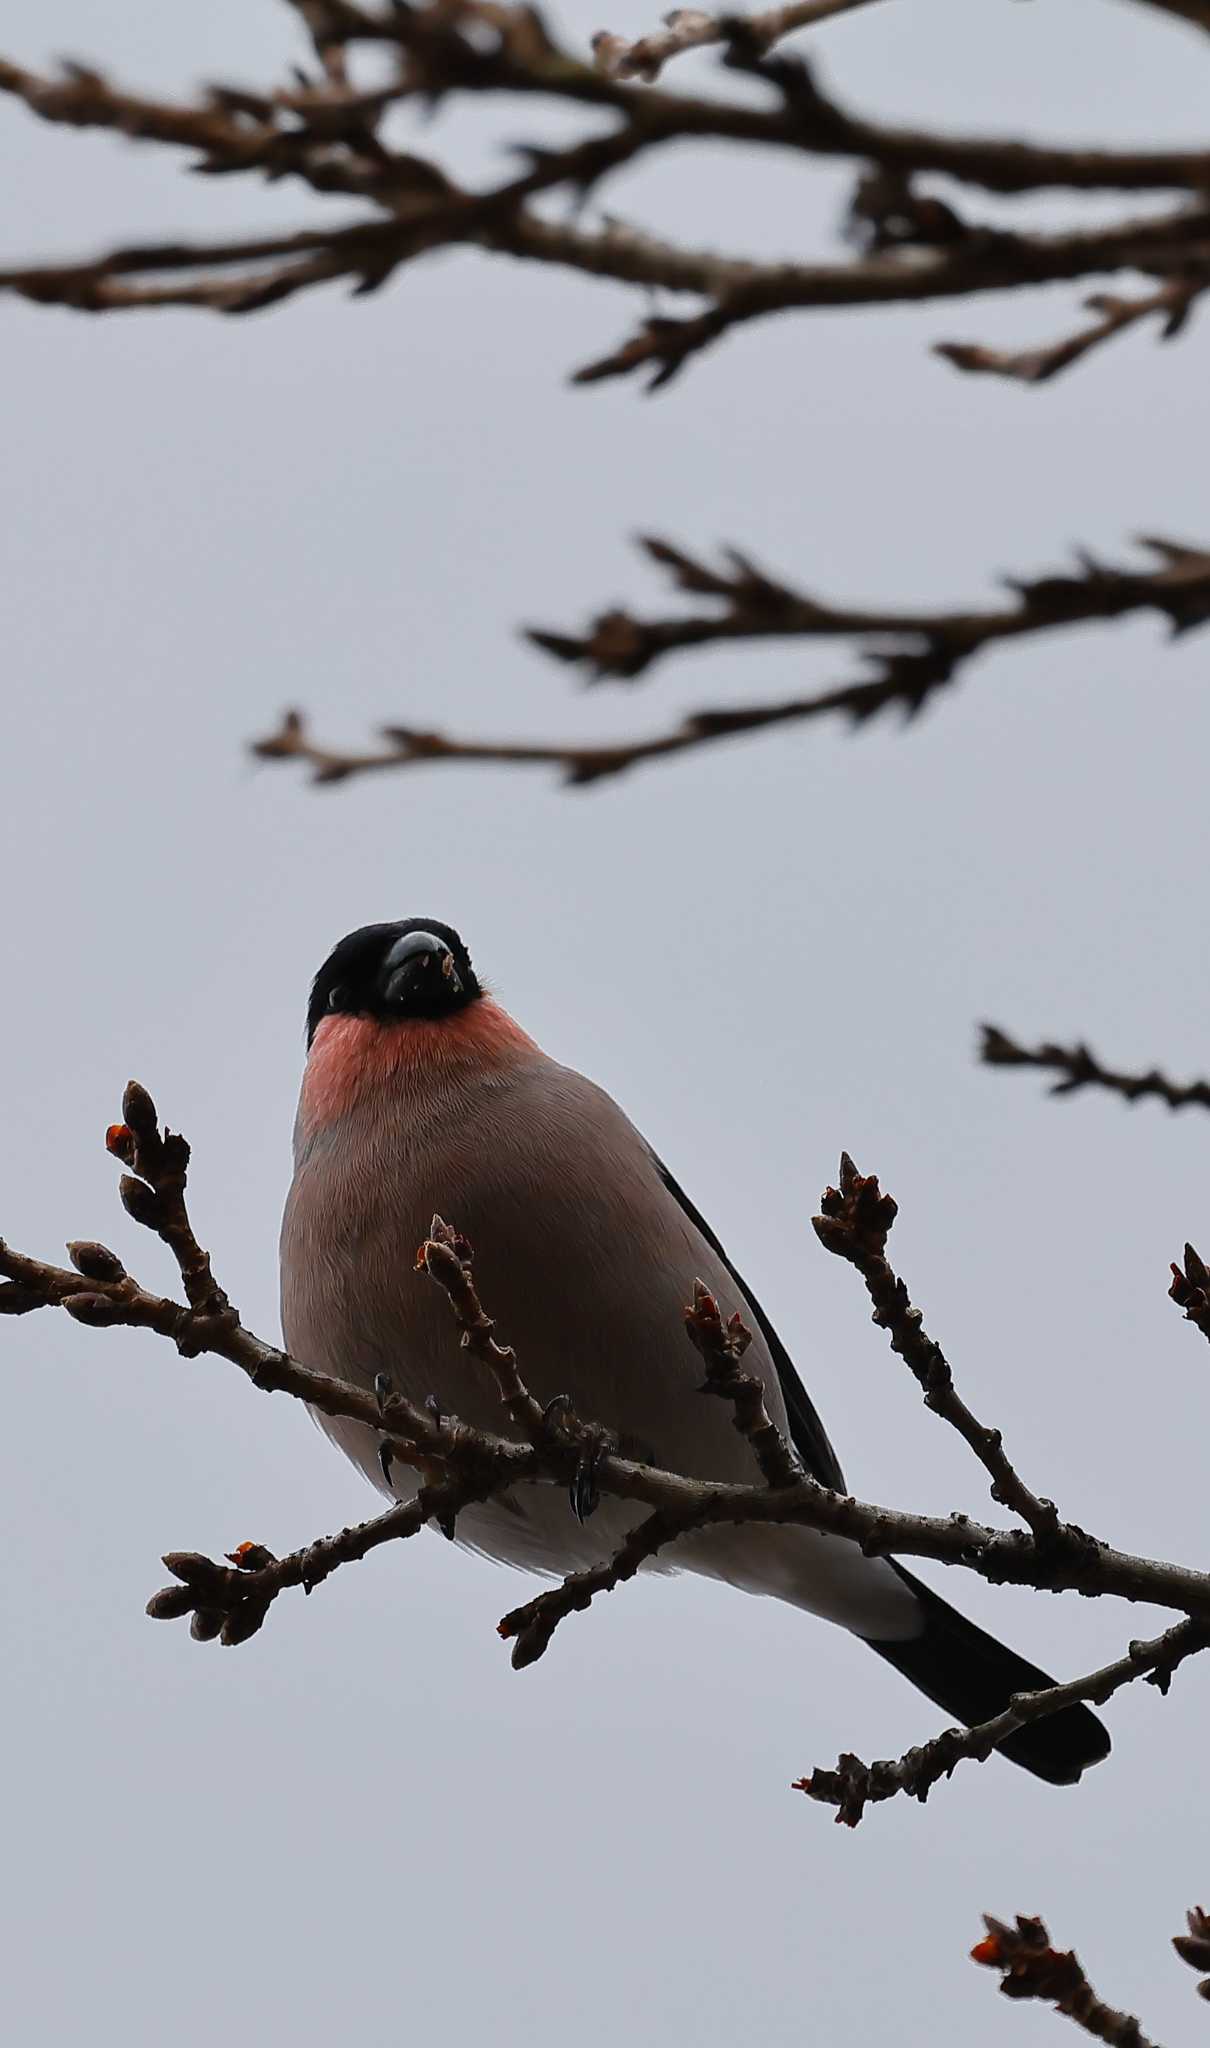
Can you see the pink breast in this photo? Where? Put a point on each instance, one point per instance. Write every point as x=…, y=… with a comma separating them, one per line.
x=353, y=1056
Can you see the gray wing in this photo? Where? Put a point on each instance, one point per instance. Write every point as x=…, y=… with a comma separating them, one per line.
x=809, y=1435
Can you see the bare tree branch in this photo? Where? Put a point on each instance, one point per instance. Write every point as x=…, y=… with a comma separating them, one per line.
x=578, y=762
x=326, y=133
x=1078, y=1068
x=915, y=654
x=1031, y=1968
x=853, y=1785
x=757, y=606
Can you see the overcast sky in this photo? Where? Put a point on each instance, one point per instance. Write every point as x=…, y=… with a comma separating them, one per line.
x=363, y=1825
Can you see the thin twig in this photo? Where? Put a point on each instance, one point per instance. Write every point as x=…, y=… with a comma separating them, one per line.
x=446, y=1257
x=1190, y=1290
x=531, y=1626
x=1078, y=1068
x=722, y=1347
x=1031, y=1968
x=688, y=28
x=1174, y=301
x=748, y=603
x=854, y=1785
x=1194, y=1948
x=856, y=1220
x=928, y=652
x=230, y=1601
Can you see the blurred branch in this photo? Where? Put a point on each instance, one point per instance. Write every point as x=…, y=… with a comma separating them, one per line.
x=1174, y=301
x=1196, y=12
x=1190, y=1290
x=1194, y=1948
x=756, y=606
x=688, y=28
x=926, y=653
x=1031, y=1968
x=1078, y=1068
x=326, y=132
x=853, y=1785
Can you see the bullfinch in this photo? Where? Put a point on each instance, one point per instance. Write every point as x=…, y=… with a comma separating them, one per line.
x=421, y=1094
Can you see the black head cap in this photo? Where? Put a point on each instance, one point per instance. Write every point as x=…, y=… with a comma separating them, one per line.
x=416, y=968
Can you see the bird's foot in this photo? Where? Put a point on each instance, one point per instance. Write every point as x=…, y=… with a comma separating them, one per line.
x=584, y=1493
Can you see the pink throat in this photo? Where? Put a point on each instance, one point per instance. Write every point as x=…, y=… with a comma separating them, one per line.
x=352, y=1057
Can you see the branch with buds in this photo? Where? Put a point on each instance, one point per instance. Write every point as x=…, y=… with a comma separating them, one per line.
x=1030, y=1968
x=854, y=1785
x=458, y=1465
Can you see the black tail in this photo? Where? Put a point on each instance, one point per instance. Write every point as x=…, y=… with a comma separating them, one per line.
x=970, y=1675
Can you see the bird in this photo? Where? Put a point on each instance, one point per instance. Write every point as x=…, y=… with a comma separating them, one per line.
x=421, y=1094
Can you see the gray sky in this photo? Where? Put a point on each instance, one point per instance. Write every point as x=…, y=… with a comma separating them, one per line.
x=375, y=1825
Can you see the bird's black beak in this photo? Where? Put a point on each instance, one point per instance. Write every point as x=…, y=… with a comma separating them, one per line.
x=419, y=975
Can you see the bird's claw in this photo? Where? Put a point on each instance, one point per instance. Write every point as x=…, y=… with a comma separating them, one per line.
x=584, y=1493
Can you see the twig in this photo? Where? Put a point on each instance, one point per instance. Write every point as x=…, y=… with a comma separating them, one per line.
x=854, y=1785
x=722, y=1346
x=579, y=763
x=153, y=1193
x=753, y=605
x=1174, y=301
x=1194, y=1948
x=325, y=133
x=230, y=1602
x=446, y=1257
x=1031, y=1968
x=933, y=648
x=688, y=28
x=856, y=1220
x=1078, y=1068
x=533, y=1624
x=1190, y=1290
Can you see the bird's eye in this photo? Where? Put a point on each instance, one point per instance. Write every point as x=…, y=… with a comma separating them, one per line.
x=338, y=997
